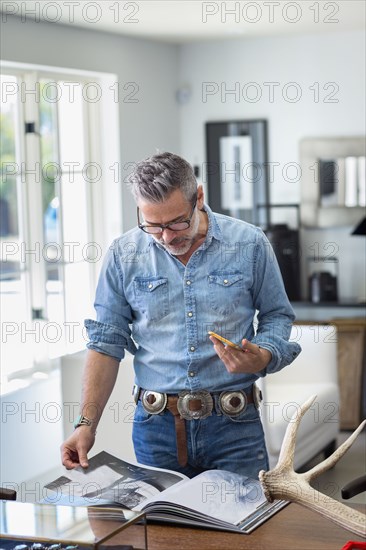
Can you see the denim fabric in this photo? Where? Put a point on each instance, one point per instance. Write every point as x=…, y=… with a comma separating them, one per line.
x=160, y=310
x=218, y=441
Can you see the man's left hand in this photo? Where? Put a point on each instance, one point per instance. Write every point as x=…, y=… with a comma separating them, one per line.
x=251, y=359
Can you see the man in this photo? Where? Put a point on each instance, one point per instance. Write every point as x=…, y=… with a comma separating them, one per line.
x=182, y=272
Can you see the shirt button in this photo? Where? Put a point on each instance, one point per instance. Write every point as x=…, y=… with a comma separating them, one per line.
x=150, y=285
x=191, y=374
x=225, y=281
x=188, y=282
x=190, y=314
x=193, y=348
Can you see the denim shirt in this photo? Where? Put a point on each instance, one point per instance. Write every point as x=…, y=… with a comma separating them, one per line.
x=160, y=310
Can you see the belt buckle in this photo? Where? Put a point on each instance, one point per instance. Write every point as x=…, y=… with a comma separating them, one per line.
x=257, y=396
x=184, y=399
x=233, y=403
x=154, y=402
x=135, y=393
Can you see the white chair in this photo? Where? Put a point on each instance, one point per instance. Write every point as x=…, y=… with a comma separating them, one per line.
x=314, y=371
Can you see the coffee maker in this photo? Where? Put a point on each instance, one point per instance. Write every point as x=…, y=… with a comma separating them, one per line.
x=323, y=287
x=322, y=281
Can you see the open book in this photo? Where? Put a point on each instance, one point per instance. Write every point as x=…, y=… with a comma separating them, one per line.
x=215, y=499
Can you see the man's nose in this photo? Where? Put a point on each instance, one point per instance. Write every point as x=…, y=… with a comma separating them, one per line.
x=168, y=235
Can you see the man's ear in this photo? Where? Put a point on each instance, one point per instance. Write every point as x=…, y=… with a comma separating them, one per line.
x=200, y=197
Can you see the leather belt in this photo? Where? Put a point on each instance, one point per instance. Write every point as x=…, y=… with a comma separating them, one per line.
x=180, y=430
x=195, y=405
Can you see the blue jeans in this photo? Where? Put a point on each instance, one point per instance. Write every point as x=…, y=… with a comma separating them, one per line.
x=216, y=442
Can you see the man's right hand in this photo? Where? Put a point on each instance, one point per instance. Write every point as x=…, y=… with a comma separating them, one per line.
x=74, y=451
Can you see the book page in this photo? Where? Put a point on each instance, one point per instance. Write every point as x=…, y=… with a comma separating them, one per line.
x=110, y=480
x=220, y=494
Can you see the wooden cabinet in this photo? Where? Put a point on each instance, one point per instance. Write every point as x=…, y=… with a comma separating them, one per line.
x=351, y=370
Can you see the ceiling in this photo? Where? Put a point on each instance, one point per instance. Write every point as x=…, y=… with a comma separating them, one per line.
x=195, y=20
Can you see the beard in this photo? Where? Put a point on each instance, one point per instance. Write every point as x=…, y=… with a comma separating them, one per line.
x=180, y=245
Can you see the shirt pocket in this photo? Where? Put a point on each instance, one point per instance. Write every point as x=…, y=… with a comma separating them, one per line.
x=152, y=297
x=225, y=291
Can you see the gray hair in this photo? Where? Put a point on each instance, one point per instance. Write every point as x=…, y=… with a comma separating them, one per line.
x=156, y=177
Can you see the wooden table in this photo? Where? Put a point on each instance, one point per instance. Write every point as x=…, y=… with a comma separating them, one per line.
x=292, y=528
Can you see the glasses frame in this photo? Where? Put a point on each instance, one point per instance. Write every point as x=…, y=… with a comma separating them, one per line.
x=163, y=226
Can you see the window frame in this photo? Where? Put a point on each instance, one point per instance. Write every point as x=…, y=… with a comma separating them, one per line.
x=102, y=145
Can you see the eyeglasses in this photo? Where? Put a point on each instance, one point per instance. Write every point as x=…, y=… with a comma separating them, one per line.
x=174, y=226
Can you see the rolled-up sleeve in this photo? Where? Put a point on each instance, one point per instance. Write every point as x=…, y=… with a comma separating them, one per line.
x=275, y=313
x=110, y=333
x=108, y=339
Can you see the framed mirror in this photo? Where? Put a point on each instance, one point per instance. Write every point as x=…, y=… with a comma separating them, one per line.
x=333, y=182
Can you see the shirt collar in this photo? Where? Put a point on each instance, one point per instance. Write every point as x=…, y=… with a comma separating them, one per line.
x=214, y=230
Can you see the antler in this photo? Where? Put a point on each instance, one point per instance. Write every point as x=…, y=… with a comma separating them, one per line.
x=284, y=483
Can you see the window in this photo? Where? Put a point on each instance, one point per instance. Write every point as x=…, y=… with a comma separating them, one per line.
x=51, y=179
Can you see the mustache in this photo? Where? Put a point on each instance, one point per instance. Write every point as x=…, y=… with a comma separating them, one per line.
x=174, y=242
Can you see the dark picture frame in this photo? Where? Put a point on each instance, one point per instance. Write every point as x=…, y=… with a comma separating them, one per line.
x=237, y=169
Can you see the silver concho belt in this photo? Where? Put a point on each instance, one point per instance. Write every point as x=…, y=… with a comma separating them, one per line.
x=193, y=405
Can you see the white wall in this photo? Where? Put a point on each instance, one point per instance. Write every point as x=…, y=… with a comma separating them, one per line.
x=304, y=60
x=337, y=58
